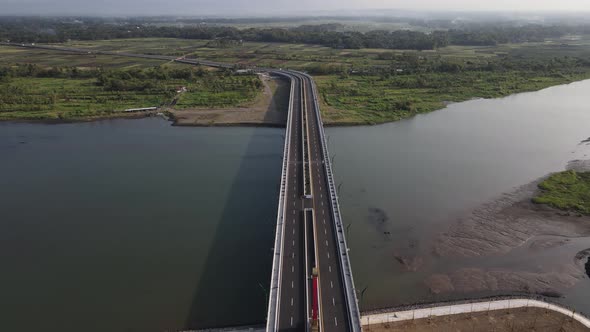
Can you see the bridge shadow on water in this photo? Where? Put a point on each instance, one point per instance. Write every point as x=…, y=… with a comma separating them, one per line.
x=233, y=287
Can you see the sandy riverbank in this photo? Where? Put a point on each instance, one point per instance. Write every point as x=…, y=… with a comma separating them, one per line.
x=512, y=226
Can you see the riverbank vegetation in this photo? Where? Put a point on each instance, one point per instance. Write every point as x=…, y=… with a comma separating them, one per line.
x=370, y=86
x=385, y=95
x=357, y=86
x=569, y=190
x=31, y=92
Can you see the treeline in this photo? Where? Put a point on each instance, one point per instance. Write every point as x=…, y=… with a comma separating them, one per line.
x=411, y=63
x=53, y=30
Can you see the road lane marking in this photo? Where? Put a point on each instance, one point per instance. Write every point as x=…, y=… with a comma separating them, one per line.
x=333, y=301
x=329, y=268
x=292, y=255
x=292, y=284
x=335, y=321
x=293, y=243
x=328, y=255
x=326, y=243
x=292, y=320
x=292, y=268
x=291, y=301
x=331, y=284
x=325, y=231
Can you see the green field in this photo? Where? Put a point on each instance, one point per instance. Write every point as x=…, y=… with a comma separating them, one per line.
x=364, y=86
x=71, y=98
x=12, y=55
x=302, y=56
x=567, y=190
x=374, y=99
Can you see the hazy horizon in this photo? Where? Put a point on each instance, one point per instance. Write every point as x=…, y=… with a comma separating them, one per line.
x=276, y=7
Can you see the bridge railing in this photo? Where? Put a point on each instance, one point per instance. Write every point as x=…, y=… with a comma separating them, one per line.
x=348, y=281
x=274, y=293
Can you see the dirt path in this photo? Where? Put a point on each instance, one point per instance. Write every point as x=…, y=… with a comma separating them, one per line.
x=524, y=319
x=269, y=109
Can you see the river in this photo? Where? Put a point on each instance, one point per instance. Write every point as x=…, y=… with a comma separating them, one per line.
x=135, y=225
x=403, y=183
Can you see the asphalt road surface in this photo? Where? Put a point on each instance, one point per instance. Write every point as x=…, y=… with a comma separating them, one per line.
x=291, y=311
x=333, y=309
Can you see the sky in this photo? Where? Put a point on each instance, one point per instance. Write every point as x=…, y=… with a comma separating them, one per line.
x=267, y=7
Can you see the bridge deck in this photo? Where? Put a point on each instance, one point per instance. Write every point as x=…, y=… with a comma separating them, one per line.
x=309, y=171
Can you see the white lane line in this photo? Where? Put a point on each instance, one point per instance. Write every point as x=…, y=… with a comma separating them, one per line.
x=331, y=284
x=326, y=243
x=333, y=301
x=325, y=231
x=328, y=255
x=292, y=320
x=292, y=284
x=292, y=255
x=329, y=268
x=335, y=321
x=324, y=219
x=291, y=301
x=293, y=268
x=320, y=202
x=293, y=231
x=293, y=243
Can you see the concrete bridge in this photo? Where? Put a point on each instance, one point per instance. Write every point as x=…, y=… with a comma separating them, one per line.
x=311, y=286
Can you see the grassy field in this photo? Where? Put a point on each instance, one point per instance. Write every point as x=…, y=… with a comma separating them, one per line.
x=302, y=56
x=373, y=99
x=55, y=98
x=369, y=98
x=47, y=98
x=12, y=55
x=567, y=190
x=352, y=83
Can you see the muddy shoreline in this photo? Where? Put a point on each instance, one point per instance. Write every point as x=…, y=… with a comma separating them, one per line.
x=553, y=245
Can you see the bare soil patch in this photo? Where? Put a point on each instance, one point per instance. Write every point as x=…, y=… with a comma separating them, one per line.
x=269, y=109
x=522, y=319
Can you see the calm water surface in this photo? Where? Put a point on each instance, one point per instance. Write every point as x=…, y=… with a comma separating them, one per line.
x=134, y=225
